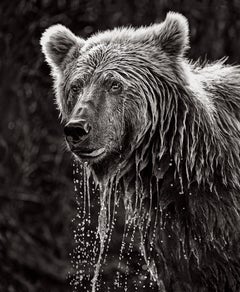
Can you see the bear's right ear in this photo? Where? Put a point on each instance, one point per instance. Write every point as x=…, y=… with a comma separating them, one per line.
x=56, y=42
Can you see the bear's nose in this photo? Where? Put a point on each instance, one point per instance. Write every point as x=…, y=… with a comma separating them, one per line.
x=76, y=132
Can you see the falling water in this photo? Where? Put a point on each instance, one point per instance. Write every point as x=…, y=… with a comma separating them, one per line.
x=100, y=210
x=86, y=252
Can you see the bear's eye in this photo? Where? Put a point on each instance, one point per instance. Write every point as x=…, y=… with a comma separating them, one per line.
x=74, y=88
x=116, y=87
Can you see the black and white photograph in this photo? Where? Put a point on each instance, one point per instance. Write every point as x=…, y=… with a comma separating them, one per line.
x=120, y=146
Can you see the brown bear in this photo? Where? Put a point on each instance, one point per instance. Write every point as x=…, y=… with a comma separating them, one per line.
x=168, y=131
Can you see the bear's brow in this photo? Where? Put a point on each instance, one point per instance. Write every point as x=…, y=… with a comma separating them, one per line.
x=103, y=55
x=103, y=58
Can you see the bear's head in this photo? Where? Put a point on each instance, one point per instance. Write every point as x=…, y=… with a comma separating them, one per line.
x=112, y=89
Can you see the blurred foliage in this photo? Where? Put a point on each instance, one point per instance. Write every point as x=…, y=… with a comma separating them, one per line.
x=36, y=191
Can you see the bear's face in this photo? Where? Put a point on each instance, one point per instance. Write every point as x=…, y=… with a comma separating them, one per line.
x=97, y=87
x=104, y=86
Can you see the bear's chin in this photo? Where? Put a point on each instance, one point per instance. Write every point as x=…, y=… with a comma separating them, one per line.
x=103, y=170
x=103, y=166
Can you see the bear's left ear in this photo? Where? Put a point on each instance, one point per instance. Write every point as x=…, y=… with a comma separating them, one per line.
x=56, y=42
x=172, y=35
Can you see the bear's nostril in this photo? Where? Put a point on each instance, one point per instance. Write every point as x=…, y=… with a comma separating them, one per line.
x=74, y=132
x=86, y=128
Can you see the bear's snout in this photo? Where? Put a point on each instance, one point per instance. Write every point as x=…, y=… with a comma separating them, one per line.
x=77, y=132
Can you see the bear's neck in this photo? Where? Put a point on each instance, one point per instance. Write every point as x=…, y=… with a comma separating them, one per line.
x=187, y=153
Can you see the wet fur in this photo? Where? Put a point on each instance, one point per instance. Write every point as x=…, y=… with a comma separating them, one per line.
x=182, y=169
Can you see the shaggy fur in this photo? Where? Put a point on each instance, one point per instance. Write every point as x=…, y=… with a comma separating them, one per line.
x=172, y=142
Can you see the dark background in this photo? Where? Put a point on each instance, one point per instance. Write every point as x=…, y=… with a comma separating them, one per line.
x=37, y=201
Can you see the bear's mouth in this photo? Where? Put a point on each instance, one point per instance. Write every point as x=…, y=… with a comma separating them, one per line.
x=89, y=153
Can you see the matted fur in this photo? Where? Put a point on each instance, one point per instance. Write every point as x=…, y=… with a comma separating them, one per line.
x=181, y=172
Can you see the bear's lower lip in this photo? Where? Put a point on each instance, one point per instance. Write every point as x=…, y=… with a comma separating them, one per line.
x=94, y=153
